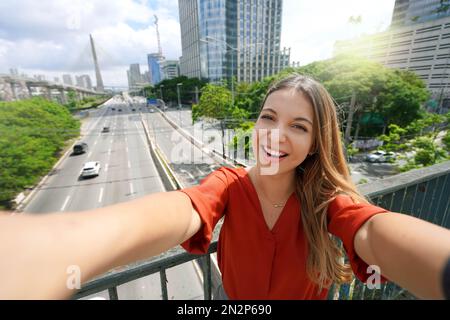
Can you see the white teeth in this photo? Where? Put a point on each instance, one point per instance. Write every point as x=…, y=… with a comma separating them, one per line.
x=274, y=153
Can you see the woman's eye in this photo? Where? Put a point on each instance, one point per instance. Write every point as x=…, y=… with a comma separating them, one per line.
x=266, y=117
x=300, y=127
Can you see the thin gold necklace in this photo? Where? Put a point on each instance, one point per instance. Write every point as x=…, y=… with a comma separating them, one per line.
x=275, y=205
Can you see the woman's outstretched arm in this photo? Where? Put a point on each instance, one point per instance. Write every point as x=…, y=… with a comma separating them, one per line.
x=409, y=251
x=37, y=250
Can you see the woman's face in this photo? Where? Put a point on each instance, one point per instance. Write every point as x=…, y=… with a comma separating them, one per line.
x=283, y=133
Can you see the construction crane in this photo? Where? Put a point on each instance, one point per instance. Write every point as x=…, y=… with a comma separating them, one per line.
x=157, y=35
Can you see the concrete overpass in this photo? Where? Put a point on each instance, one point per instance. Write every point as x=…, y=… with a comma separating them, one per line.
x=17, y=87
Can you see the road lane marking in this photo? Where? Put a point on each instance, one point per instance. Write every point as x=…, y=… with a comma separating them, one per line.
x=129, y=164
x=65, y=203
x=89, y=154
x=201, y=172
x=127, y=149
x=131, y=188
x=109, y=151
x=100, y=197
x=145, y=144
x=188, y=173
x=106, y=167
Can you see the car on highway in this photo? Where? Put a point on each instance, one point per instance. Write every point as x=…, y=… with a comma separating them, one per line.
x=91, y=168
x=120, y=109
x=105, y=129
x=80, y=147
x=380, y=156
x=152, y=110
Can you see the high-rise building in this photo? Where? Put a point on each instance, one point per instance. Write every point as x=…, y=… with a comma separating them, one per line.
x=79, y=81
x=170, y=69
x=67, y=79
x=421, y=47
x=154, y=67
x=14, y=71
x=408, y=12
x=134, y=76
x=235, y=38
x=86, y=81
x=146, y=77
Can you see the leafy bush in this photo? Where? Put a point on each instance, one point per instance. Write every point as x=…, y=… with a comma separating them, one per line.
x=446, y=141
x=32, y=132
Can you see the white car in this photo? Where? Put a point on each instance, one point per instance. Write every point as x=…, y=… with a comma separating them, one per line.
x=380, y=156
x=91, y=168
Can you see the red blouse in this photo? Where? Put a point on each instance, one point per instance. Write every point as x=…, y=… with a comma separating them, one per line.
x=259, y=263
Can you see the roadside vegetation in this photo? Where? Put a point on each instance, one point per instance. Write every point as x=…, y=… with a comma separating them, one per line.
x=73, y=104
x=32, y=134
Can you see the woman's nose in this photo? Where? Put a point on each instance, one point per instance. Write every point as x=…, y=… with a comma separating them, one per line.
x=277, y=134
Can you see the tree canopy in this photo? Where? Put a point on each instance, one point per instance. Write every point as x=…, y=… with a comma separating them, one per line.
x=32, y=132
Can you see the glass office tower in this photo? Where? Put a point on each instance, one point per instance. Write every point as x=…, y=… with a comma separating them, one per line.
x=234, y=38
x=408, y=12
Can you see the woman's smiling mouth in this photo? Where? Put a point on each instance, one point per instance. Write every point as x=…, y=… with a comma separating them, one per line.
x=271, y=155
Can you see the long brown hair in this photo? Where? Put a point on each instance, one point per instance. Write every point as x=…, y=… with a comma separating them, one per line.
x=320, y=178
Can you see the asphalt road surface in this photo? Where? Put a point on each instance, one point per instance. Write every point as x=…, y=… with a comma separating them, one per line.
x=127, y=172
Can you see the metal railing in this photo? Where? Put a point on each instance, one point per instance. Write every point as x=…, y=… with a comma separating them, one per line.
x=422, y=193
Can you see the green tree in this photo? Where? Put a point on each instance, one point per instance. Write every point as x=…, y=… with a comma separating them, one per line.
x=71, y=100
x=168, y=88
x=402, y=98
x=215, y=103
x=394, y=95
x=393, y=141
x=32, y=133
x=427, y=152
x=446, y=141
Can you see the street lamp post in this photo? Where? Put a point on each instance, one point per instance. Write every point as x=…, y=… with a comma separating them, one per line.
x=178, y=93
x=179, y=102
x=160, y=92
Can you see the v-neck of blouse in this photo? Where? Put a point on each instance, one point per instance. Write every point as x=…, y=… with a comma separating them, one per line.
x=260, y=213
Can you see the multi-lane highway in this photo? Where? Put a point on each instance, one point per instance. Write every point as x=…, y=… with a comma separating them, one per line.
x=127, y=172
x=189, y=163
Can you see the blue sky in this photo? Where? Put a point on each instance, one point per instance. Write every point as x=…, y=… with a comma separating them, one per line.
x=51, y=37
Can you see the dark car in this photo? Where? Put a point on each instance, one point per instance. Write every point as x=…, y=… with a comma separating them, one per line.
x=80, y=148
x=113, y=109
x=120, y=109
x=133, y=109
x=105, y=129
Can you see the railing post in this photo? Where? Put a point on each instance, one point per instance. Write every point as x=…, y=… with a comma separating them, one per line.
x=206, y=268
x=113, y=293
x=163, y=278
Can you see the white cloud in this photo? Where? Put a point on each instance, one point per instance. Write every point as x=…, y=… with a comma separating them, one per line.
x=52, y=36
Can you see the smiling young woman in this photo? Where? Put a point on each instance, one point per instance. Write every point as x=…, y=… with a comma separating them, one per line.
x=275, y=241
